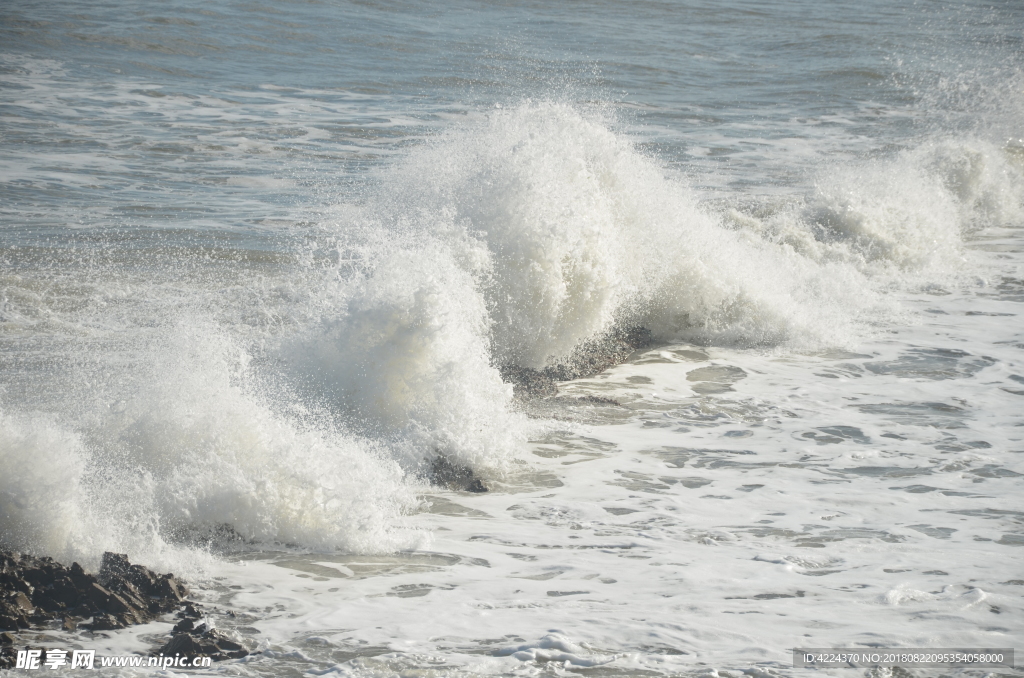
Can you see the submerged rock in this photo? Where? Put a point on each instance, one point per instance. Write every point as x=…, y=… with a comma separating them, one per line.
x=590, y=357
x=454, y=476
x=527, y=382
x=594, y=356
x=222, y=536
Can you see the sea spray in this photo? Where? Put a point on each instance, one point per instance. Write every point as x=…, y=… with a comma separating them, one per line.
x=40, y=487
x=192, y=447
x=401, y=356
x=306, y=405
x=511, y=239
x=565, y=229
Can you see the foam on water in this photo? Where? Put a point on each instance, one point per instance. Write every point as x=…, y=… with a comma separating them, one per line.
x=508, y=239
x=401, y=353
x=522, y=232
x=565, y=229
x=243, y=319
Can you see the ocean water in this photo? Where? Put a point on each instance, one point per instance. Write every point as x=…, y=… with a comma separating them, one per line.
x=262, y=262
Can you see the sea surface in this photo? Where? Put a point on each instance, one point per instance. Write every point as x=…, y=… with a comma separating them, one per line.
x=262, y=263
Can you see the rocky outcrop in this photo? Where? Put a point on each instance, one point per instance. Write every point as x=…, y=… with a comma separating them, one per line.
x=40, y=593
x=191, y=640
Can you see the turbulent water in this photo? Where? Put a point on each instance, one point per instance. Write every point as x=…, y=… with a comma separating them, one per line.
x=263, y=263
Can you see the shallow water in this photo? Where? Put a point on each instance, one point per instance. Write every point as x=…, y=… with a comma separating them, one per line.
x=260, y=262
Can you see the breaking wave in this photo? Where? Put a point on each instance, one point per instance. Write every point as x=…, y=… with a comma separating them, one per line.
x=522, y=233
x=506, y=241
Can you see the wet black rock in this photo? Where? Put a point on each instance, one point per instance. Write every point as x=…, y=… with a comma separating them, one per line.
x=202, y=641
x=454, y=476
x=588, y=400
x=105, y=622
x=190, y=610
x=184, y=626
x=42, y=593
x=8, y=653
x=220, y=536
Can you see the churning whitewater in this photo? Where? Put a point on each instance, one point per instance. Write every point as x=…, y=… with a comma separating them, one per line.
x=508, y=240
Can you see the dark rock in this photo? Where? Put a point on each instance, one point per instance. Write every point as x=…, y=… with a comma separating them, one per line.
x=64, y=591
x=39, y=591
x=210, y=643
x=528, y=382
x=10, y=581
x=184, y=644
x=125, y=603
x=225, y=645
x=191, y=611
x=223, y=536
x=129, y=618
x=44, y=602
x=454, y=476
x=476, y=486
x=595, y=355
x=6, y=639
x=70, y=623
x=105, y=622
x=169, y=587
x=40, y=617
x=598, y=400
x=12, y=615
x=9, y=654
x=185, y=625
x=83, y=610
x=113, y=565
x=590, y=357
x=142, y=578
x=98, y=595
x=78, y=576
x=20, y=600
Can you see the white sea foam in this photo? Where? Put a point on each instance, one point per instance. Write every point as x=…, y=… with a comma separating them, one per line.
x=220, y=453
x=508, y=239
x=194, y=447
x=511, y=239
x=402, y=354
x=552, y=228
